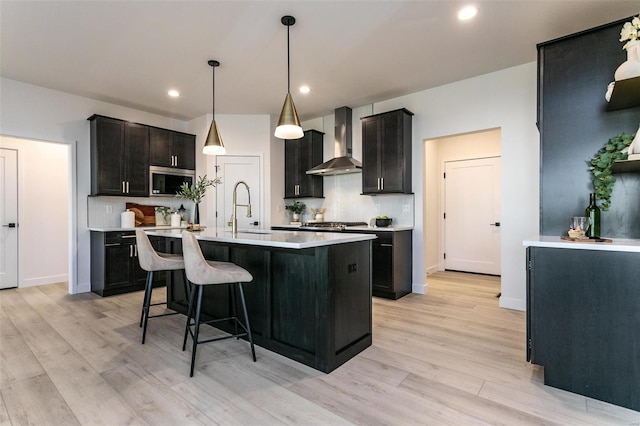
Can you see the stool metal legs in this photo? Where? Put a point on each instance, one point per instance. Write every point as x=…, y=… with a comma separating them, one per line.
x=146, y=304
x=197, y=321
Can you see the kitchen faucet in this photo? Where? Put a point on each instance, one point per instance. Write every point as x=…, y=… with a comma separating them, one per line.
x=234, y=216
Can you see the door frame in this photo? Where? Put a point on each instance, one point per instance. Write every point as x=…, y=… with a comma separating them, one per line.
x=72, y=208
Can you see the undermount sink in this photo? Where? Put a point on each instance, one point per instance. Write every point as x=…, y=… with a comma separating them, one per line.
x=255, y=231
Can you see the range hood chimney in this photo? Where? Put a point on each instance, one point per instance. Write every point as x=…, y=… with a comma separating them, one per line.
x=342, y=163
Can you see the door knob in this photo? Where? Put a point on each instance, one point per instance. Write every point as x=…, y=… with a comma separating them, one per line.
x=495, y=224
x=10, y=225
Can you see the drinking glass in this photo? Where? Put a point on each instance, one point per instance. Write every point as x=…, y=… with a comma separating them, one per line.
x=580, y=224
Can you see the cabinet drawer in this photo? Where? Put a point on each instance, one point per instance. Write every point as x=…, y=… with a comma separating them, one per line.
x=119, y=237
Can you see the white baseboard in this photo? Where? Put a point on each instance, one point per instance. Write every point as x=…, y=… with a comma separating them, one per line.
x=84, y=288
x=511, y=303
x=32, y=282
x=419, y=288
x=432, y=269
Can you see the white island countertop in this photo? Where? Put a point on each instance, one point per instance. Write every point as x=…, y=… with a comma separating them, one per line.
x=258, y=237
x=618, y=244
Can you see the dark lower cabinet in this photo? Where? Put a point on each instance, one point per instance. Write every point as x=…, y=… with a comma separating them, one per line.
x=114, y=263
x=392, y=264
x=583, y=321
x=310, y=305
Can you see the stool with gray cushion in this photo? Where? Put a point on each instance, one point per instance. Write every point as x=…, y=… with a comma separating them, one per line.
x=200, y=273
x=153, y=261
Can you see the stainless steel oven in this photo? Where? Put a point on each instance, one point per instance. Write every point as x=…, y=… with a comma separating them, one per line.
x=165, y=181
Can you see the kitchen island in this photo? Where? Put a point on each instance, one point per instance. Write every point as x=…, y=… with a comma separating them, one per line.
x=583, y=316
x=310, y=298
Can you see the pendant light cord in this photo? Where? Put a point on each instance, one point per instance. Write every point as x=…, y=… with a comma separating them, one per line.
x=213, y=63
x=288, y=63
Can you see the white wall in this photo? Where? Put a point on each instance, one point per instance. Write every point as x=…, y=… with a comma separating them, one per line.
x=43, y=211
x=241, y=135
x=506, y=100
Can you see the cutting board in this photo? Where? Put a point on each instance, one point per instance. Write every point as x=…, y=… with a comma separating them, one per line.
x=145, y=215
x=587, y=240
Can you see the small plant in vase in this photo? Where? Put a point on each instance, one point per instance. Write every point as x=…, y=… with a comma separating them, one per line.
x=297, y=208
x=196, y=192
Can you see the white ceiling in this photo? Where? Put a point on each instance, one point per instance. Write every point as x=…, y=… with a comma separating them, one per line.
x=349, y=52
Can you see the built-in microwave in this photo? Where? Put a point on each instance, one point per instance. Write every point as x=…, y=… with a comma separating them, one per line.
x=165, y=181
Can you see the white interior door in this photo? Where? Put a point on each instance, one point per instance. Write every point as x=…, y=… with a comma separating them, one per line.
x=472, y=215
x=232, y=169
x=8, y=218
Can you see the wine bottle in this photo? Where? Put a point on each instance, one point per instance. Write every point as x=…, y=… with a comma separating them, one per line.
x=593, y=213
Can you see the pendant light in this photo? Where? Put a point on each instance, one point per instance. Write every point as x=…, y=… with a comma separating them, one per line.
x=289, y=123
x=213, y=145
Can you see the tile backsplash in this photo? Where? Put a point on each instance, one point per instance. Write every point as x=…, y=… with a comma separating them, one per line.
x=104, y=212
x=343, y=202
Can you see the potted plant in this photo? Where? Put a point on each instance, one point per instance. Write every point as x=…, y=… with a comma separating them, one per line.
x=196, y=192
x=297, y=208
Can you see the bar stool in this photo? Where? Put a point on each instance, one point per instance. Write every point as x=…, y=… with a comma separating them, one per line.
x=200, y=273
x=153, y=261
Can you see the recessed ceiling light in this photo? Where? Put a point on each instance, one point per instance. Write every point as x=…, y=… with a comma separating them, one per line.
x=467, y=13
x=174, y=93
x=304, y=89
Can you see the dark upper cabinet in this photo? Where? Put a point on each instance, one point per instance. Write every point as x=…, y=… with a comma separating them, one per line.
x=301, y=155
x=386, y=152
x=119, y=157
x=172, y=149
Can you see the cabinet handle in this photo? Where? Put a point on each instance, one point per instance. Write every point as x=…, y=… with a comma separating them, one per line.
x=135, y=250
x=172, y=158
x=127, y=187
x=386, y=245
x=128, y=236
x=131, y=251
x=382, y=180
x=123, y=187
x=176, y=164
x=378, y=184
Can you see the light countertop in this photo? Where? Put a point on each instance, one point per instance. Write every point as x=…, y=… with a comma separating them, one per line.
x=118, y=229
x=357, y=228
x=618, y=244
x=268, y=238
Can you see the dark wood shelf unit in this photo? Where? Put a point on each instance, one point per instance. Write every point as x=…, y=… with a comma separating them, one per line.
x=626, y=166
x=626, y=94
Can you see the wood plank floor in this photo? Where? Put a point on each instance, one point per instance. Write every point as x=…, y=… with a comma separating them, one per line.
x=449, y=357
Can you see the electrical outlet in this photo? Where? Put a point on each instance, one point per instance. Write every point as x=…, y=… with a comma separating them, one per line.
x=406, y=208
x=109, y=208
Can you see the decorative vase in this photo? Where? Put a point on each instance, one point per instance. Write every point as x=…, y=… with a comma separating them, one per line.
x=295, y=217
x=631, y=67
x=196, y=213
x=634, y=148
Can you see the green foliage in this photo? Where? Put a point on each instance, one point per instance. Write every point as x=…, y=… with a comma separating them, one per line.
x=297, y=207
x=600, y=166
x=197, y=191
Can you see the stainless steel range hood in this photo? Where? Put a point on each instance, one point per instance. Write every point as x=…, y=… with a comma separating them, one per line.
x=343, y=163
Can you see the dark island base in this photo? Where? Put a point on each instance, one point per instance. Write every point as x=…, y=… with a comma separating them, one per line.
x=310, y=305
x=583, y=321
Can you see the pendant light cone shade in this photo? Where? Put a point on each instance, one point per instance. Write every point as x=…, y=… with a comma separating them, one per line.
x=213, y=145
x=289, y=123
